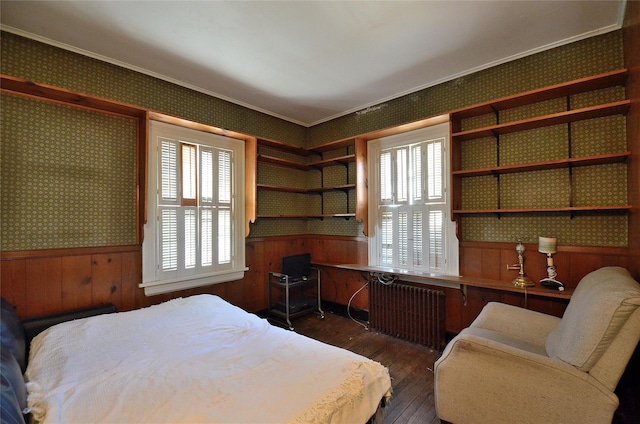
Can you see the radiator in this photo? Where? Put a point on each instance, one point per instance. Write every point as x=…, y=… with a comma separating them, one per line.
x=410, y=313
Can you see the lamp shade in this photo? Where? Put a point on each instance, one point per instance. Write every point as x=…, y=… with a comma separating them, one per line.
x=547, y=245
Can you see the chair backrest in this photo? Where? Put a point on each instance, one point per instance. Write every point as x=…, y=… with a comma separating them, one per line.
x=601, y=325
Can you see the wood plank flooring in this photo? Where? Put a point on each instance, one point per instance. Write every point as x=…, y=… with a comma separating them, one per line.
x=410, y=365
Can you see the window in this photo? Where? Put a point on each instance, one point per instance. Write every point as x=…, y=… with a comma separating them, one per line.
x=408, y=202
x=194, y=235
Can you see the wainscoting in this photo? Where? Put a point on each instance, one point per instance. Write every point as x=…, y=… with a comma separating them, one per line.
x=52, y=280
x=46, y=281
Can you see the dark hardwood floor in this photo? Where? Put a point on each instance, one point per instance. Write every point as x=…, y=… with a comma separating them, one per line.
x=410, y=365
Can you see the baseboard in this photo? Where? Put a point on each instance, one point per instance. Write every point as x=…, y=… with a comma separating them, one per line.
x=339, y=309
x=328, y=307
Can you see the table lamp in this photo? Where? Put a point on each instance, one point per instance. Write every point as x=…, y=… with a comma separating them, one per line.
x=548, y=246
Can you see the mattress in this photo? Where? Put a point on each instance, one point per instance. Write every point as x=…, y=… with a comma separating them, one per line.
x=196, y=359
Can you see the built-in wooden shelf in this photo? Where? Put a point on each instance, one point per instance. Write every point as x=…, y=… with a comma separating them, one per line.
x=539, y=166
x=317, y=165
x=282, y=189
x=583, y=85
x=317, y=216
x=334, y=145
x=286, y=163
x=317, y=190
x=615, y=108
x=284, y=147
x=48, y=92
x=344, y=187
x=340, y=160
x=559, y=91
x=569, y=209
x=431, y=278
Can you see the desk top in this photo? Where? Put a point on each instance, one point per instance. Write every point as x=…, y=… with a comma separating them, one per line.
x=453, y=279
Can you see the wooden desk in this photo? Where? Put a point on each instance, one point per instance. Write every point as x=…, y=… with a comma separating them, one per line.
x=448, y=280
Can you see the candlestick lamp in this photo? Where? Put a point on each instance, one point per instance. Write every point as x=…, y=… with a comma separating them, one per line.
x=520, y=280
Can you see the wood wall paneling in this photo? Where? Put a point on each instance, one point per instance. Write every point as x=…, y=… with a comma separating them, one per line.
x=131, y=264
x=362, y=184
x=250, y=188
x=454, y=305
x=476, y=299
x=629, y=387
x=631, y=43
x=490, y=260
x=338, y=286
x=106, y=272
x=77, y=282
x=338, y=250
x=44, y=286
x=255, y=279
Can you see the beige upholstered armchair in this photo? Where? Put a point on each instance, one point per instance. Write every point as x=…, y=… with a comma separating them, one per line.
x=513, y=365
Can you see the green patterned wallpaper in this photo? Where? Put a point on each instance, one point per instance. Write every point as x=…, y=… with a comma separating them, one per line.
x=581, y=230
x=584, y=58
x=68, y=176
x=50, y=65
x=46, y=64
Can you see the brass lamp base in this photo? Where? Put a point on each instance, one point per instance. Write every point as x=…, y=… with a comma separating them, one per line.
x=522, y=281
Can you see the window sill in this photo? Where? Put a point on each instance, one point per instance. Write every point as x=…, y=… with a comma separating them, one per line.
x=152, y=288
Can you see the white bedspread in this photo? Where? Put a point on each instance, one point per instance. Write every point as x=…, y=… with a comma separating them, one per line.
x=196, y=359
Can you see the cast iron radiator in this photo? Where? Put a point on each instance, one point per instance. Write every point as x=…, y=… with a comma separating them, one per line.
x=410, y=313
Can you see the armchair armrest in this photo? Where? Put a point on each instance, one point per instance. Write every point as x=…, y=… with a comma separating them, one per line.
x=531, y=326
x=474, y=372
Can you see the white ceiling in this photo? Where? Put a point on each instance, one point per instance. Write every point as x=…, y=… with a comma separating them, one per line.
x=306, y=61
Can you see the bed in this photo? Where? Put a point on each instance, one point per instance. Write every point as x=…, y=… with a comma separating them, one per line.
x=196, y=359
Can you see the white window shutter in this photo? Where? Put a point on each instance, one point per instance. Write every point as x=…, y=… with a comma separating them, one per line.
x=224, y=236
x=385, y=178
x=169, y=239
x=168, y=174
x=417, y=250
x=224, y=177
x=206, y=237
x=436, y=239
x=434, y=170
x=402, y=174
x=416, y=173
x=403, y=239
x=206, y=176
x=189, y=171
x=386, y=253
x=190, y=238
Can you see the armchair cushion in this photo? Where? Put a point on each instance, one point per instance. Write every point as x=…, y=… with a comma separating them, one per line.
x=523, y=324
x=600, y=306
